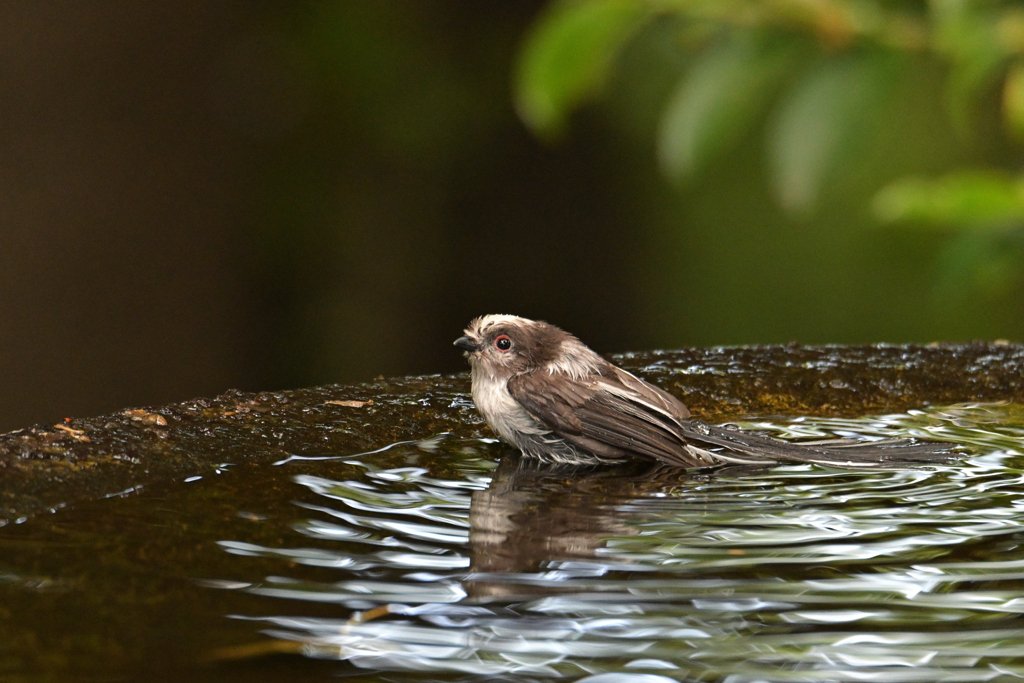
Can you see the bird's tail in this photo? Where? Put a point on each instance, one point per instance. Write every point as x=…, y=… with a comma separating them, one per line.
x=728, y=445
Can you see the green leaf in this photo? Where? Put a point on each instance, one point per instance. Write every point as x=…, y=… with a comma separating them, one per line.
x=820, y=120
x=718, y=102
x=966, y=32
x=567, y=57
x=1013, y=101
x=976, y=199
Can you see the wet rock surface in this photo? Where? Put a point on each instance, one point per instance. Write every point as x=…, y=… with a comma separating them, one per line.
x=48, y=467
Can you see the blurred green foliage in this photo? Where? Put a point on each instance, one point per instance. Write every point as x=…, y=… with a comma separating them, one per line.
x=725, y=172
x=814, y=81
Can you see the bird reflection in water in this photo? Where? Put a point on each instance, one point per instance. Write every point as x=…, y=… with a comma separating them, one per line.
x=535, y=517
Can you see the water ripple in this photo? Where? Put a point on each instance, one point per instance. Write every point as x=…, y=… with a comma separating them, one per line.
x=792, y=573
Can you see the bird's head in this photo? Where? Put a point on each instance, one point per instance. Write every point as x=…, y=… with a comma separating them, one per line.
x=501, y=346
x=506, y=345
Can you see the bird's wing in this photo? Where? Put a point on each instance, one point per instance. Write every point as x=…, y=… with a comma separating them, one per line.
x=617, y=380
x=608, y=416
x=619, y=415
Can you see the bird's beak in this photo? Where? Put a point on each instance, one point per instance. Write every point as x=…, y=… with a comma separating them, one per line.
x=466, y=344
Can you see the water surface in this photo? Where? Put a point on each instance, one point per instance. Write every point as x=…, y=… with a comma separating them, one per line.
x=451, y=559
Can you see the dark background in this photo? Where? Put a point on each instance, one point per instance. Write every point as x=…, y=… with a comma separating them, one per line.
x=201, y=195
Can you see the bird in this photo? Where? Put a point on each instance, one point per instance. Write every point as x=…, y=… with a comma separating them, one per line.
x=541, y=390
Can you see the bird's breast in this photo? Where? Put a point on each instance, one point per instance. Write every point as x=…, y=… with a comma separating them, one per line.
x=502, y=412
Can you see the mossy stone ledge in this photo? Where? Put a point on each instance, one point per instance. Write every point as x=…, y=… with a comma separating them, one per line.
x=49, y=466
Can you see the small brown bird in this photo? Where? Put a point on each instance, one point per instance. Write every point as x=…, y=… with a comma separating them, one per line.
x=543, y=391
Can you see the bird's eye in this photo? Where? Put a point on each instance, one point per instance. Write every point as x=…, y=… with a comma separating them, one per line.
x=503, y=343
